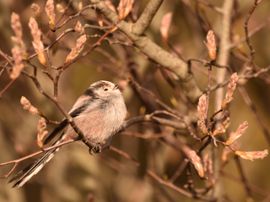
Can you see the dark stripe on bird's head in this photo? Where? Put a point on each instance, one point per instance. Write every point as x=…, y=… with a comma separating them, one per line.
x=100, y=84
x=89, y=92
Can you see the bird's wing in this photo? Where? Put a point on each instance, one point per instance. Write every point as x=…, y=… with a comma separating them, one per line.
x=82, y=103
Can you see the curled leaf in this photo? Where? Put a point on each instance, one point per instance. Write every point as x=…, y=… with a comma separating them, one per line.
x=17, y=28
x=230, y=90
x=36, y=9
x=60, y=8
x=252, y=155
x=26, y=104
x=202, y=110
x=238, y=133
x=197, y=162
x=78, y=27
x=16, y=25
x=211, y=45
x=50, y=11
x=222, y=127
x=41, y=131
x=37, y=43
x=18, y=66
x=75, y=51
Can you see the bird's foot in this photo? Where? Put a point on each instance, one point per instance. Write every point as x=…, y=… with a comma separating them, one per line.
x=97, y=148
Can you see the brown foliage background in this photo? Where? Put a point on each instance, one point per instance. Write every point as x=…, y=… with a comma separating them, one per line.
x=74, y=175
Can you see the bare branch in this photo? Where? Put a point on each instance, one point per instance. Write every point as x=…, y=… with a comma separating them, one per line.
x=146, y=17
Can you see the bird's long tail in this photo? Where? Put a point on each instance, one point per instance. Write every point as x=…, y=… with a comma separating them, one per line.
x=28, y=172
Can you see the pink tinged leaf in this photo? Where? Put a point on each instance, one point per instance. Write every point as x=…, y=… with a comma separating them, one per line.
x=237, y=134
x=211, y=45
x=222, y=127
x=50, y=11
x=78, y=27
x=202, y=110
x=60, y=8
x=230, y=90
x=197, y=162
x=37, y=43
x=26, y=104
x=18, y=66
x=124, y=8
x=75, y=51
x=16, y=25
x=165, y=26
x=36, y=9
x=17, y=28
x=41, y=131
x=252, y=155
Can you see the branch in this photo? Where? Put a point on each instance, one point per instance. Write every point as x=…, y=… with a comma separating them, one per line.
x=223, y=59
x=146, y=17
x=151, y=174
x=251, y=49
x=17, y=161
x=155, y=52
x=224, y=52
x=243, y=177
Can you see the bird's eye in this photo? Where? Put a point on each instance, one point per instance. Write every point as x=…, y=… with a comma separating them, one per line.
x=105, y=89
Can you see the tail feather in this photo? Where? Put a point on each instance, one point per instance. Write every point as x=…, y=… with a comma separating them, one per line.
x=28, y=172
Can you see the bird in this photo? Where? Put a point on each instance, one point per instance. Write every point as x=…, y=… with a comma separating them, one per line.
x=99, y=113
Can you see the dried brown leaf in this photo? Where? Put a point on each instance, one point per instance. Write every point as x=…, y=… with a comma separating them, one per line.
x=230, y=90
x=37, y=43
x=50, y=11
x=124, y=8
x=211, y=45
x=18, y=66
x=252, y=155
x=228, y=150
x=78, y=27
x=202, y=110
x=77, y=49
x=17, y=28
x=165, y=26
x=60, y=8
x=41, y=131
x=16, y=25
x=196, y=161
x=26, y=104
x=36, y=9
x=222, y=127
x=237, y=134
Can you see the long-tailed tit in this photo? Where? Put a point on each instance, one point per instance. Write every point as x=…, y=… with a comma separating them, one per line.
x=99, y=114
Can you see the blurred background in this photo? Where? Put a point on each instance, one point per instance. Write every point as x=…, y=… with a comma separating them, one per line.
x=74, y=175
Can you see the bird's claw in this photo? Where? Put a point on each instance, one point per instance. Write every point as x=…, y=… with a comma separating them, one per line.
x=95, y=149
